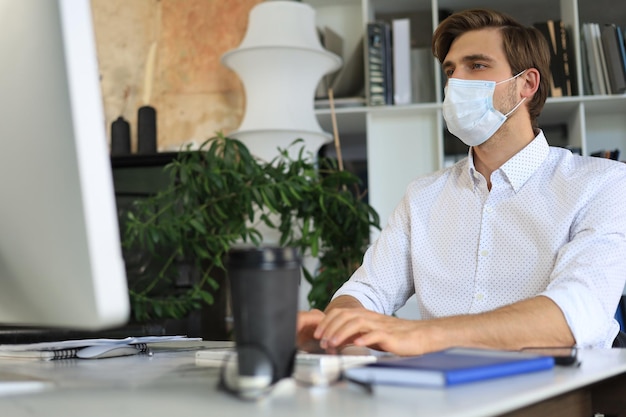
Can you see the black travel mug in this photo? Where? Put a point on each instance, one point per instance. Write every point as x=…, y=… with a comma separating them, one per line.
x=264, y=293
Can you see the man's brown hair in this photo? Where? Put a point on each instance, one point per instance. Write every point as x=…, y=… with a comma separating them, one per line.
x=524, y=47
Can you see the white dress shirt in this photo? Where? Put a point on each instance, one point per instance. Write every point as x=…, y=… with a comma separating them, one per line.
x=553, y=224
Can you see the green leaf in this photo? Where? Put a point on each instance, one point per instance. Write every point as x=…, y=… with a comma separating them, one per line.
x=198, y=226
x=207, y=297
x=283, y=196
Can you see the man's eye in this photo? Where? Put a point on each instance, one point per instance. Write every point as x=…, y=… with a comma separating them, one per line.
x=449, y=72
x=477, y=66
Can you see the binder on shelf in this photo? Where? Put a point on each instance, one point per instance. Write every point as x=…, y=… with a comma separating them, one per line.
x=602, y=58
x=379, y=66
x=449, y=367
x=401, y=41
x=596, y=77
x=610, y=38
x=584, y=62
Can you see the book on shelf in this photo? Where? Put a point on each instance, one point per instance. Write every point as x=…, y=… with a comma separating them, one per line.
x=611, y=40
x=562, y=82
x=379, y=75
x=401, y=51
x=548, y=31
x=449, y=367
x=584, y=61
x=569, y=61
x=621, y=43
x=388, y=61
x=397, y=73
x=602, y=57
x=597, y=83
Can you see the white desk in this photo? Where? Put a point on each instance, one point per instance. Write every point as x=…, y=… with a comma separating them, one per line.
x=170, y=384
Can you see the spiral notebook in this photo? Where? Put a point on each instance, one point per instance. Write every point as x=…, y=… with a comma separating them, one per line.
x=85, y=348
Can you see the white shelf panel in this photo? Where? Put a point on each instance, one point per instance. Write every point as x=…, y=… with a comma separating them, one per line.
x=610, y=104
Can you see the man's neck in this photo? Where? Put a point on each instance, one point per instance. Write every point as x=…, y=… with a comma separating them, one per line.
x=501, y=147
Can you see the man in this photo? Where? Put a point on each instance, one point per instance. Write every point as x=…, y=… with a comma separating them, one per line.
x=518, y=245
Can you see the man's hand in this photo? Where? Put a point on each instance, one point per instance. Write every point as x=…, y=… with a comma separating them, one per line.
x=307, y=323
x=346, y=322
x=361, y=327
x=536, y=321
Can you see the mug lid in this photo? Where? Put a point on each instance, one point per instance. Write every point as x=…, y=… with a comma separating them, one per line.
x=264, y=256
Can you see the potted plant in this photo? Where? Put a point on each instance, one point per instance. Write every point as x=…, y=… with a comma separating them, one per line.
x=220, y=195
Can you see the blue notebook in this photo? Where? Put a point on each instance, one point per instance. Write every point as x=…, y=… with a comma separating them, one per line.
x=448, y=367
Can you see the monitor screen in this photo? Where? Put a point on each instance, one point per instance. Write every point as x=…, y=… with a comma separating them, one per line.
x=60, y=256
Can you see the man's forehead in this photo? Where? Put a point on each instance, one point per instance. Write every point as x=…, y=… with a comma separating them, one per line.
x=482, y=43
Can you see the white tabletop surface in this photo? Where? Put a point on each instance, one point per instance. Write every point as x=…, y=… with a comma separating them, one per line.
x=172, y=384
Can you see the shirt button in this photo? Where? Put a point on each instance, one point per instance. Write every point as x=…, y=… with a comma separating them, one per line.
x=479, y=297
x=484, y=252
x=488, y=209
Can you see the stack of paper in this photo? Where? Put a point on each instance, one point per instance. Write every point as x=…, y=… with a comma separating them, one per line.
x=85, y=348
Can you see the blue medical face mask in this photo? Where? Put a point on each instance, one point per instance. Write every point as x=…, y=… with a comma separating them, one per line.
x=468, y=109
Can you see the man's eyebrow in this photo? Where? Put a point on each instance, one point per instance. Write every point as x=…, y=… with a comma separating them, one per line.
x=469, y=58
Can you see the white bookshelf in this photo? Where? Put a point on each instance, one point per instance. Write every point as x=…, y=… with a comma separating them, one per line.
x=403, y=142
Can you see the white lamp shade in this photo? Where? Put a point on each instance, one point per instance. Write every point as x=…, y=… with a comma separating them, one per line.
x=282, y=23
x=280, y=63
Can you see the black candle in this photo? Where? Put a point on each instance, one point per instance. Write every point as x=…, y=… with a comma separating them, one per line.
x=120, y=137
x=146, y=130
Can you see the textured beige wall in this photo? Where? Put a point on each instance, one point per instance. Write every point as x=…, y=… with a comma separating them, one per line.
x=194, y=95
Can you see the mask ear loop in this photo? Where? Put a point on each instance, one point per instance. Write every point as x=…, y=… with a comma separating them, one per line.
x=515, y=108
x=521, y=101
x=512, y=78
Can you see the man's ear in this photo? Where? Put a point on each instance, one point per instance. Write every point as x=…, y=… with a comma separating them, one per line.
x=531, y=80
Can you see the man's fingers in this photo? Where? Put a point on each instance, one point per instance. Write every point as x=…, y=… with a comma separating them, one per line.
x=377, y=338
x=309, y=318
x=342, y=327
x=306, y=324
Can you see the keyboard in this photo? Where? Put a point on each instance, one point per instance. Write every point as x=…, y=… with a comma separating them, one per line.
x=310, y=368
x=217, y=356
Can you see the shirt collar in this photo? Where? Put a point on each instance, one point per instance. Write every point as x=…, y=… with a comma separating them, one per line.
x=521, y=166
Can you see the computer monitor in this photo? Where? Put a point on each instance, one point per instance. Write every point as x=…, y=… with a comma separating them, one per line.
x=60, y=255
